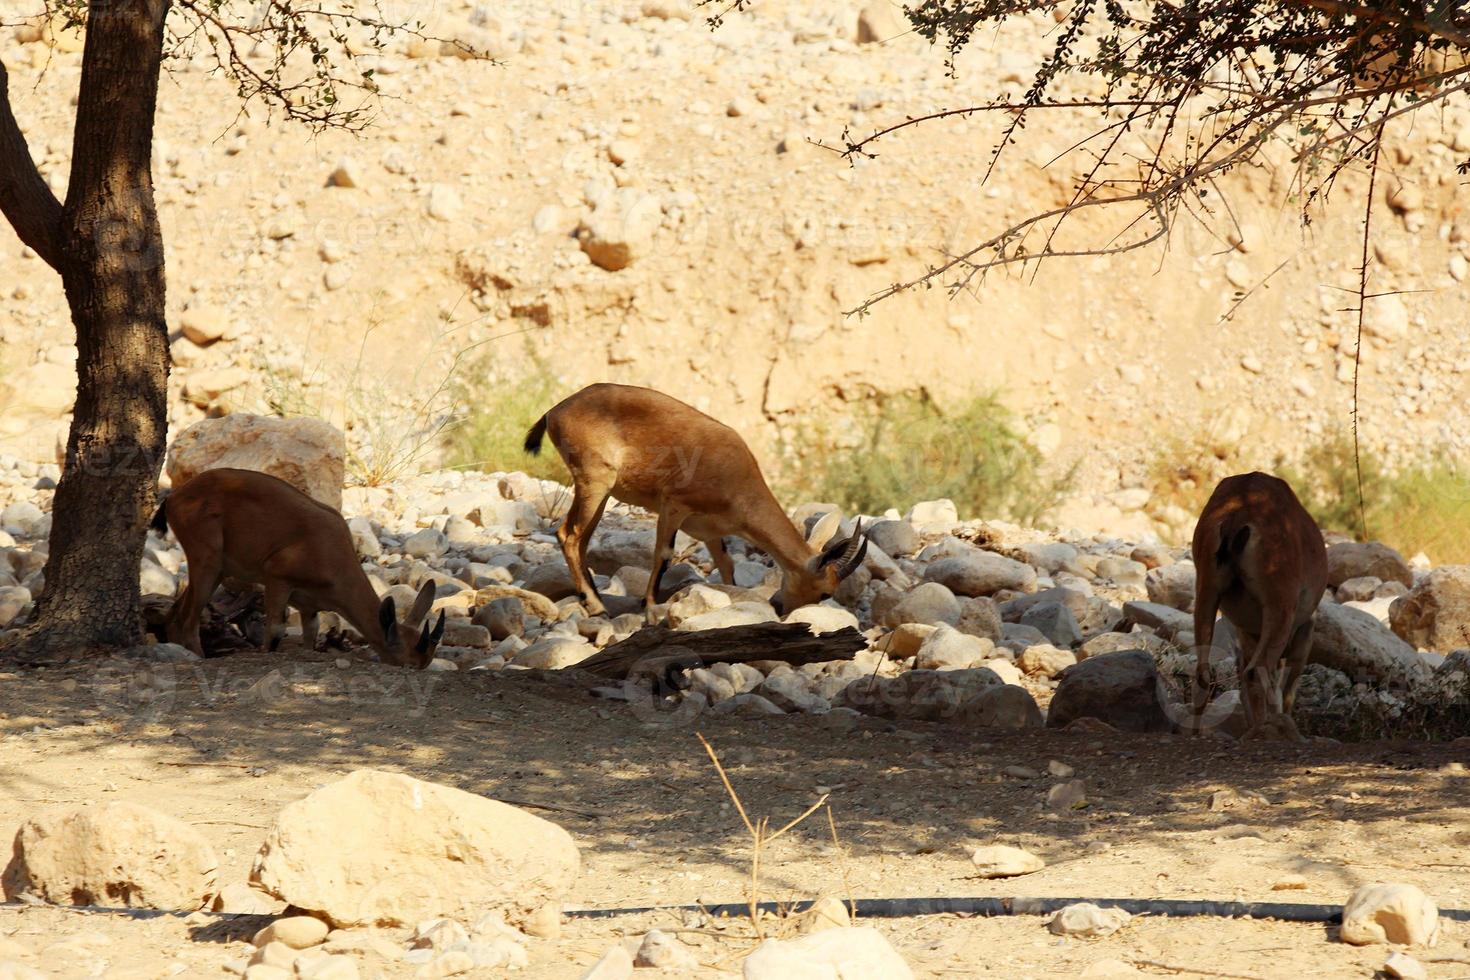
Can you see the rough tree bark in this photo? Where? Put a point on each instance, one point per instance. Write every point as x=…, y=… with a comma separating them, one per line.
x=106, y=243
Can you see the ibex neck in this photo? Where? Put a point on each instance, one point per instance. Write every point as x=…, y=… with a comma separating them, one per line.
x=769, y=529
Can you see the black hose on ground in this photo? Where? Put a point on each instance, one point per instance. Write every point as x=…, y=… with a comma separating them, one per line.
x=898, y=908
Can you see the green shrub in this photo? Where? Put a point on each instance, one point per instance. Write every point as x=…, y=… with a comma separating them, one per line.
x=492, y=430
x=1424, y=506
x=901, y=449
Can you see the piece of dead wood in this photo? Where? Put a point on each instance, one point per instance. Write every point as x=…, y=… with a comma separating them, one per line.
x=657, y=651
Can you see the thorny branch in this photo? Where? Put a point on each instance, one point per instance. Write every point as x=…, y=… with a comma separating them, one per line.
x=300, y=59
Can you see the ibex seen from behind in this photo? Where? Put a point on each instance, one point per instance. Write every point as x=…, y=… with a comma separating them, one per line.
x=1260, y=559
x=253, y=527
x=653, y=451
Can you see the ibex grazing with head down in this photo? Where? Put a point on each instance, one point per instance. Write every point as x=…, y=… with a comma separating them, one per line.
x=1259, y=558
x=253, y=527
x=696, y=474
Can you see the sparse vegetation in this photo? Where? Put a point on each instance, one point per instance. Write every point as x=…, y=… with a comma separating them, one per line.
x=1181, y=478
x=491, y=433
x=389, y=435
x=1421, y=506
x=904, y=448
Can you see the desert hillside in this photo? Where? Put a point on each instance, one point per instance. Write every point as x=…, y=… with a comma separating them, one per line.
x=629, y=195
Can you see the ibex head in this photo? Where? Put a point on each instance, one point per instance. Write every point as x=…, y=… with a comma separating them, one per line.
x=408, y=644
x=819, y=578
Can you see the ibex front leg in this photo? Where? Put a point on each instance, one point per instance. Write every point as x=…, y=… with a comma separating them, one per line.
x=669, y=521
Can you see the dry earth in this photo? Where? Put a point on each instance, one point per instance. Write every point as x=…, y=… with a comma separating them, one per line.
x=650, y=816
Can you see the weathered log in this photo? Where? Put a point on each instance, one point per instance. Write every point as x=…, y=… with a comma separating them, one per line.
x=657, y=651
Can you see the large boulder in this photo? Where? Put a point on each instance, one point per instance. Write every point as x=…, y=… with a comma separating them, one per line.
x=1002, y=706
x=1165, y=620
x=980, y=617
x=307, y=453
x=1435, y=615
x=921, y=695
x=1015, y=610
x=554, y=653
x=1393, y=913
x=896, y=538
x=1171, y=585
x=735, y=614
x=833, y=954
x=552, y=579
x=1055, y=622
x=1357, y=644
x=823, y=618
x=380, y=848
x=614, y=549
x=1123, y=689
x=948, y=649
x=113, y=854
x=930, y=604
x=1357, y=559
x=981, y=573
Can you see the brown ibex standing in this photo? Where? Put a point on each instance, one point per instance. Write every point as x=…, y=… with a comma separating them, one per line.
x=1259, y=558
x=253, y=527
x=653, y=451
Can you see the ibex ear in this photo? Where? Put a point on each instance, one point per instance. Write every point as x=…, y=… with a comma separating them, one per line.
x=421, y=605
x=388, y=619
x=824, y=530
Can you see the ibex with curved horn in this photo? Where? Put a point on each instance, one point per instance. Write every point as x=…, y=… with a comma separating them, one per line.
x=655, y=452
x=1260, y=559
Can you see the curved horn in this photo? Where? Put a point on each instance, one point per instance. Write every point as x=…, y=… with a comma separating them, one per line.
x=853, y=555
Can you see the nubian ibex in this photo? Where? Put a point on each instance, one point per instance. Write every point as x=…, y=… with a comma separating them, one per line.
x=255, y=528
x=1260, y=559
x=653, y=451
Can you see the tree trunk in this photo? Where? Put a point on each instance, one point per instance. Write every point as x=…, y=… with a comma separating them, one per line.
x=111, y=263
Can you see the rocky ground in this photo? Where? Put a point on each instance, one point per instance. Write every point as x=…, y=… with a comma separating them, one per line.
x=629, y=195
x=929, y=743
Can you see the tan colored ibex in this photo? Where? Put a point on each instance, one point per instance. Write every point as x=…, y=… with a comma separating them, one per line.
x=253, y=527
x=653, y=451
x=1260, y=559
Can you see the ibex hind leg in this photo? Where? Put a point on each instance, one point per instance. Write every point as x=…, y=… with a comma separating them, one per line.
x=588, y=502
x=206, y=572
x=1298, y=652
x=1206, y=605
x=1263, y=677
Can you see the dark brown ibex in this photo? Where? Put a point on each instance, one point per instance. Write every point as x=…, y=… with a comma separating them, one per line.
x=1260, y=559
x=253, y=527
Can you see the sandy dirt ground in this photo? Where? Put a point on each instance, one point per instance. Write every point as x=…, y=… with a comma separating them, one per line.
x=215, y=748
